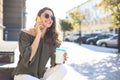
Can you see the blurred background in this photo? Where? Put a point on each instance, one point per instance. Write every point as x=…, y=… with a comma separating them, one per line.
x=93, y=24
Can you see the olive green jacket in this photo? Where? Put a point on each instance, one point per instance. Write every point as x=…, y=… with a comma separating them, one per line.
x=36, y=67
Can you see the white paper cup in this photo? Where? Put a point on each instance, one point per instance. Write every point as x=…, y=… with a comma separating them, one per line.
x=60, y=55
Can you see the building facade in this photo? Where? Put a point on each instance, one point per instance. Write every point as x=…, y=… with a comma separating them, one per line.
x=96, y=19
x=1, y=20
x=12, y=19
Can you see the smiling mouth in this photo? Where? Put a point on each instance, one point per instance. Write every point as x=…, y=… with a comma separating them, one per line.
x=48, y=22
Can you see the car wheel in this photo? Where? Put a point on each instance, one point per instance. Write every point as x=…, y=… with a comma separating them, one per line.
x=67, y=40
x=77, y=40
x=80, y=41
x=91, y=43
x=103, y=44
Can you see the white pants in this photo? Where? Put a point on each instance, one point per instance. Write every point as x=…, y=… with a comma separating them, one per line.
x=56, y=73
x=25, y=77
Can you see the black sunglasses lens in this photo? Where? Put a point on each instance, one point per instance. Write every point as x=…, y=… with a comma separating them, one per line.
x=46, y=15
x=52, y=17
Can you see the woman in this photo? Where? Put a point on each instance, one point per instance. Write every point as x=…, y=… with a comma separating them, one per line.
x=36, y=46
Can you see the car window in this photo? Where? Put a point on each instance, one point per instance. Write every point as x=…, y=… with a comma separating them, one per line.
x=116, y=37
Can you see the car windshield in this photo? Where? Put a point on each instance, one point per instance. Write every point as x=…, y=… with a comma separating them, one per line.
x=114, y=37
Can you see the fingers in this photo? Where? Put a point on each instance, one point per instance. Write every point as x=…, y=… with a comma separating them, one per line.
x=40, y=25
x=37, y=24
x=65, y=56
x=37, y=28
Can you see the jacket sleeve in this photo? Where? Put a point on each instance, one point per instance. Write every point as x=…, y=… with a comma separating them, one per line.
x=52, y=58
x=25, y=49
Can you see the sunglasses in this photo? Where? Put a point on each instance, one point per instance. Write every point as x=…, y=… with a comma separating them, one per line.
x=47, y=16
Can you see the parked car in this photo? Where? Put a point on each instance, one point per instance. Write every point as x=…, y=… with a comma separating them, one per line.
x=110, y=42
x=72, y=37
x=93, y=40
x=84, y=37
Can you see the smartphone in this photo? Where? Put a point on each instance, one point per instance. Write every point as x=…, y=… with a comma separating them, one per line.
x=38, y=19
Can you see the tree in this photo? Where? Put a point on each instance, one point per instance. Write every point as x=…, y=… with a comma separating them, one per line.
x=114, y=7
x=65, y=26
x=77, y=19
x=76, y=16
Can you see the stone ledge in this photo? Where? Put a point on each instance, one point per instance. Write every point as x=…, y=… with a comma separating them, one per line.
x=7, y=51
x=7, y=57
x=8, y=46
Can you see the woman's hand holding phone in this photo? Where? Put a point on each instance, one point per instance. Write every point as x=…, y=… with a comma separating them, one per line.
x=38, y=25
x=38, y=20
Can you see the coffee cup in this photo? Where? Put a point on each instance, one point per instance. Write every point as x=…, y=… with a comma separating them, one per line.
x=60, y=55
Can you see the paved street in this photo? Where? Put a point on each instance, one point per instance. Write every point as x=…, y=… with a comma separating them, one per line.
x=92, y=65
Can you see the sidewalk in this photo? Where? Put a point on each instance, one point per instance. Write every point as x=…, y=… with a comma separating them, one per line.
x=73, y=75
x=93, y=65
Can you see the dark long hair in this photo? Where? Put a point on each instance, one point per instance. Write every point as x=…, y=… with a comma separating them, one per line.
x=51, y=35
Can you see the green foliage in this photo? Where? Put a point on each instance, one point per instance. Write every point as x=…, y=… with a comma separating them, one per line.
x=116, y=18
x=76, y=16
x=65, y=25
x=114, y=7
